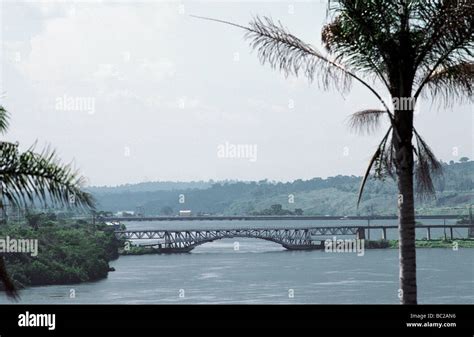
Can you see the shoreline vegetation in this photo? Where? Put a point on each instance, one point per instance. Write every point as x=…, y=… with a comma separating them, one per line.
x=71, y=252
x=67, y=253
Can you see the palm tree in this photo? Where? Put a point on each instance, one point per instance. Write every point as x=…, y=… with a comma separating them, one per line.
x=26, y=177
x=410, y=47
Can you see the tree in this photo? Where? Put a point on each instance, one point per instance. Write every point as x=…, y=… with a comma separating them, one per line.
x=276, y=209
x=34, y=219
x=463, y=159
x=298, y=211
x=411, y=48
x=26, y=177
x=166, y=210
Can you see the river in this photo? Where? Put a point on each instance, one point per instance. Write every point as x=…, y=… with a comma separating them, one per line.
x=264, y=272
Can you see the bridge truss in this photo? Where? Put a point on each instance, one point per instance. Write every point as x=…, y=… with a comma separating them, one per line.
x=290, y=238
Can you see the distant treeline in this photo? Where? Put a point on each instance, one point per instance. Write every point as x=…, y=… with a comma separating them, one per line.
x=332, y=196
x=152, y=186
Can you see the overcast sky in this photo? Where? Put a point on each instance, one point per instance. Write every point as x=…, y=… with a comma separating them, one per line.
x=156, y=93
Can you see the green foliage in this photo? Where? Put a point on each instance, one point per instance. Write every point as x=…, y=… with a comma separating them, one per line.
x=166, y=210
x=139, y=250
x=332, y=196
x=65, y=254
x=36, y=219
x=277, y=209
x=28, y=177
x=440, y=243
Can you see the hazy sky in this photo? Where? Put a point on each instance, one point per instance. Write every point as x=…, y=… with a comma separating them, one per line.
x=141, y=91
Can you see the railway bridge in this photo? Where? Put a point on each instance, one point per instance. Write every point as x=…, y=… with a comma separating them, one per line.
x=174, y=241
x=292, y=238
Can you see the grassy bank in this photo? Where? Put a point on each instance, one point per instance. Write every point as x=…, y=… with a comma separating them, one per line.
x=66, y=254
x=440, y=243
x=139, y=250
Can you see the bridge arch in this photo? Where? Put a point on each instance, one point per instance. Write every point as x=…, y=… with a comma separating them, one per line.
x=185, y=241
x=202, y=242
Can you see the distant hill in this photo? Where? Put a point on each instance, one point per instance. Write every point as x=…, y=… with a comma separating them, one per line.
x=332, y=196
x=151, y=187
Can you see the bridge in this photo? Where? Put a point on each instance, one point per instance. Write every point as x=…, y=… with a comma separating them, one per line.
x=184, y=240
x=264, y=217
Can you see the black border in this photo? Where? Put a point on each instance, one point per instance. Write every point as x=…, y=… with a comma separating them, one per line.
x=237, y=320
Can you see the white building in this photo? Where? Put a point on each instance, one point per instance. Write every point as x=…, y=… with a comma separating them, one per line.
x=185, y=213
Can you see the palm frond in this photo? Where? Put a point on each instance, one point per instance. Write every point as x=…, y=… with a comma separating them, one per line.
x=426, y=167
x=359, y=35
x=382, y=164
x=276, y=46
x=366, y=120
x=444, y=34
x=452, y=83
x=4, y=116
x=437, y=25
x=379, y=158
x=387, y=165
x=27, y=176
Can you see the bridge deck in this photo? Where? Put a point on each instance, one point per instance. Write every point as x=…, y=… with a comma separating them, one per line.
x=204, y=229
x=268, y=217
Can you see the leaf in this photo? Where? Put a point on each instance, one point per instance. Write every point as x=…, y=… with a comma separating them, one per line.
x=4, y=116
x=425, y=167
x=377, y=156
x=366, y=120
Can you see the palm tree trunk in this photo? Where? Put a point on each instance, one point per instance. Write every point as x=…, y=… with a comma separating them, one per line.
x=406, y=231
x=406, y=208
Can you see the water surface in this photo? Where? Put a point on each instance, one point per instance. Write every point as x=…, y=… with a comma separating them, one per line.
x=264, y=272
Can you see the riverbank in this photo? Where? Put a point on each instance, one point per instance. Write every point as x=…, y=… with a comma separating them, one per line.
x=66, y=253
x=139, y=250
x=441, y=243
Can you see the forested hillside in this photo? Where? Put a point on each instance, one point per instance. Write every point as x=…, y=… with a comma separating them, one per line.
x=332, y=196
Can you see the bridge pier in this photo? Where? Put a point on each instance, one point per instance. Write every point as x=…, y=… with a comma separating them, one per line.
x=384, y=233
x=428, y=233
x=360, y=233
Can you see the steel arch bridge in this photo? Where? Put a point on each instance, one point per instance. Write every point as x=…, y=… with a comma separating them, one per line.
x=170, y=241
